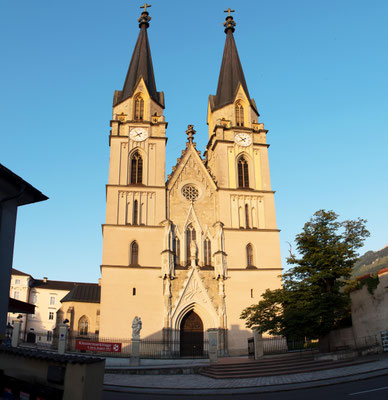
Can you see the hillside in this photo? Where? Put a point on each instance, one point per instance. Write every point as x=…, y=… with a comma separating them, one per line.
x=371, y=262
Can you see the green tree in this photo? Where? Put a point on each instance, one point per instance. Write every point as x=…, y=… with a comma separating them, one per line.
x=312, y=301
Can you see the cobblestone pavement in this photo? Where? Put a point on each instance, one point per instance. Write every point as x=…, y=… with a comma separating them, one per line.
x=198, y=382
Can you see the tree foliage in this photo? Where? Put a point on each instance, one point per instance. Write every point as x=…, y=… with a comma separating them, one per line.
x=312, y=301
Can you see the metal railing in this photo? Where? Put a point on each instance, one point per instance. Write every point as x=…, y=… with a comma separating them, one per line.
x=149, y=348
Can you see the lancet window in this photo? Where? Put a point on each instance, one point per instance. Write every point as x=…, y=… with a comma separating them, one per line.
x=243, y=172
x=134, y=253
x=136, y=168
x=83, y=325
x=190, y=237
x=177, y=251
x=135, y=216
x=139, y=108
x=239, y=109
x=249, y=250
x=207, y=252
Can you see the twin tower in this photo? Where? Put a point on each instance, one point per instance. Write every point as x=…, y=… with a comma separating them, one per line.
x=189, y=253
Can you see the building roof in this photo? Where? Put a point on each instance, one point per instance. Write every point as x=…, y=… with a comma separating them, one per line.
x=85, y=293
x=141, y=67
x=17, y=306
x=13, y=186
x=231, y=72
x=17, y=272
x=49, y=284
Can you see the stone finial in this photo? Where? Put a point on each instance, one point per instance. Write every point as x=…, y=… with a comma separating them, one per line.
x=190, y=133
x=229, y=23
x=144, y=17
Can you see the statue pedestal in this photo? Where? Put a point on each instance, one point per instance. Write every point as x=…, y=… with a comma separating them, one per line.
x=16, y=333
x=62, y=340
x=135, y=354
x=259, y=345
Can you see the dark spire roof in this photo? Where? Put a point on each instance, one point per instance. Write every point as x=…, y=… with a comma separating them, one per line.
x=231, y=73
x=141, y=66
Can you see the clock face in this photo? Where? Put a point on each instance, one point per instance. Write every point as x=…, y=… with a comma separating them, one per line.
x=138, y=134
x=243, y=139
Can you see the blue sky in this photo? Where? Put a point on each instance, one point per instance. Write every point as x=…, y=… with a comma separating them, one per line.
x=317, y=70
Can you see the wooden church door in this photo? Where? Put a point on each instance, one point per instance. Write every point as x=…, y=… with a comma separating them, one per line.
x=191, y=335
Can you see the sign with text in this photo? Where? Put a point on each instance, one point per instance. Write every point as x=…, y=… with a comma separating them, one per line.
x=97, y=346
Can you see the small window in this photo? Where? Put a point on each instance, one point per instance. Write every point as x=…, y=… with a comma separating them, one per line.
x=139, y=108
x=239, y=109
x=16, y=295
x=134, y=291
x=49, y=336
x=252, y=293
x=17, y=281
x=51, y=315
x=52, y=300
x=134, y=253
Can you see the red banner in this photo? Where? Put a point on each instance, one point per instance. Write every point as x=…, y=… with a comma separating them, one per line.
x=97, y=346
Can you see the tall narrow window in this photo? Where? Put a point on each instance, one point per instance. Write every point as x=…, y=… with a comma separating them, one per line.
x=190, y=236
x=249, y=255
x=243, y=174
x=83, y=325
x=139, y=108
x=247, y=216
x=239, y=114
x=135, y=219
x=177, y=251
x=134, y=253
x=208, y=252
x=136, y=168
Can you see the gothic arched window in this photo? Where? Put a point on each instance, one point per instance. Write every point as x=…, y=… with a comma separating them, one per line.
x=177, y=251
x=136, y=168
x=250, y=257
x=134, y=253
x=190, y=236
x=83, y=325
x=243, y=172
x=239, y=109
x=207, y=252
x=135, y=219
x=139, y=108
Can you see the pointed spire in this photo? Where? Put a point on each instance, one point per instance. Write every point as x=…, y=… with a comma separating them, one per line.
x=141, y=63
x=231, y=73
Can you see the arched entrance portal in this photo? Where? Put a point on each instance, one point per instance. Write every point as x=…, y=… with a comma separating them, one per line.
x=191, y=335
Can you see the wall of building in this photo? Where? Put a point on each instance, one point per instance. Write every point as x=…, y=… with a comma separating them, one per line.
x=370, y=311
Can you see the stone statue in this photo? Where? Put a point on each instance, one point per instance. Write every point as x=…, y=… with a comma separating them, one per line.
x=193, y=250
x=136, y=327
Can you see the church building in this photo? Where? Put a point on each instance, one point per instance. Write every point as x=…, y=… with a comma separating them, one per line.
x=189, y=253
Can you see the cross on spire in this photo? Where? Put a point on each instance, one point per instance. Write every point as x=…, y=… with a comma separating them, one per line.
x=229, y=10
x=145, y=6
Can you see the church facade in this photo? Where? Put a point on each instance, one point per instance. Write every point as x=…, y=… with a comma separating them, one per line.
x=189, y=253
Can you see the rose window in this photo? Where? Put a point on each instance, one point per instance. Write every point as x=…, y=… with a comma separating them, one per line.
x=190, y=192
